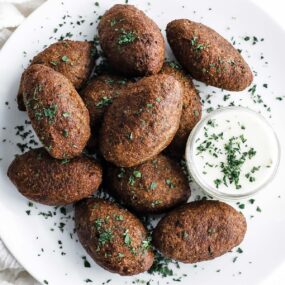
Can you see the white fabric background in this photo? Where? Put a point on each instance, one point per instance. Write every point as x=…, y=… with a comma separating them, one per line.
x=12, y=13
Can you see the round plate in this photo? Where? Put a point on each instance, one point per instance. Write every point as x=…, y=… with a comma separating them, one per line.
x=42, y=238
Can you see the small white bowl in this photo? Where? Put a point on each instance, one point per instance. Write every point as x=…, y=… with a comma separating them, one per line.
x=201, y=181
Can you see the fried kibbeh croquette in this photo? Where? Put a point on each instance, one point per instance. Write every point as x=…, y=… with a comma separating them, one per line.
x=191, y=110
x=57, y=112
x=113, y=237
x=131, y=41
x=143, y=122
x=74, y=59
x=199, y=231
x=153, y=187
x=207, y=56
x=100, y=93
x=44, y=179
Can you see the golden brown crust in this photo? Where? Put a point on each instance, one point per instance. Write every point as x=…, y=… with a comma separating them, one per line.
x=155, y=186
x=191, y=110
x=113, y=237
x=99, y=94
x=74, y=59
x=199, y=231
x=49, y=181
x=141, y=124
x=131, y=41
x=58, y=114
x=207, y=56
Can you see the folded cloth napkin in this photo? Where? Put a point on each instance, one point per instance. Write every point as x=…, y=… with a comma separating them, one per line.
x=13, y=13
x=11, y=272
x=10, y=16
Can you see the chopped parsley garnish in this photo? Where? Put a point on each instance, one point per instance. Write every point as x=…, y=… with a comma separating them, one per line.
x=98, y=223
x=137, y=174
x=119, y=218
x=169, y=183
x=252, y=171
x=65, y=133
x=249, y=177
x=153, y=185
x=210, y=109
x=105, y=101
x=161, y=265
x=54, y=62
x=241, y=206
x=66, y=114
x=86, y=262
x=217, y=182
x=114, y=21
x=174, y=64
x=65, y=58
x=252, y=90
x=126, y=37
x=251, y=201
x=196, y=113
x=127, y=238
x=132, y=178
x=211, y=123
x=50, y=112
x=185, y=235
x=155, y=203
x=65, y=161
x=105, y=236
x=226, y=97
x=239, y=250
x=146, y=244
x=235, y=159
x=128, y=242
x=208, y=144
x=196, y=45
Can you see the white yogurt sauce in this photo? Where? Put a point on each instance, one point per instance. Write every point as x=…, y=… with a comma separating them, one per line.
x=234, y=150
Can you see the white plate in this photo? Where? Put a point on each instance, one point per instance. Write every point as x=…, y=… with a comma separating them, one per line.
x=35, y=239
